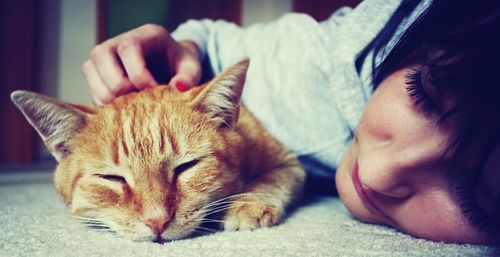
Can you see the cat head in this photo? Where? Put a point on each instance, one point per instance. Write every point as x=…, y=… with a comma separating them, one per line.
x=148, y=165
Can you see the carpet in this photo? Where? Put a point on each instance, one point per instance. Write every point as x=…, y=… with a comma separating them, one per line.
x=35, y=222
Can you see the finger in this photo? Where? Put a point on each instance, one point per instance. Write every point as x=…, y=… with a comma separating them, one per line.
x=178, y=82
x=110, y=69
x=132, y=57
x=98, y=89
x=187, y=73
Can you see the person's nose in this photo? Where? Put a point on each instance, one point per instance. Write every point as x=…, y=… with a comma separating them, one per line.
x=387, y=174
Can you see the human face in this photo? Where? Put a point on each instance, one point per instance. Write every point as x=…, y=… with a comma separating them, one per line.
x=395, y=173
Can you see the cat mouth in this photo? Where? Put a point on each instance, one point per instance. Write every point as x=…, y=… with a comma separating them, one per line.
x=161, y=240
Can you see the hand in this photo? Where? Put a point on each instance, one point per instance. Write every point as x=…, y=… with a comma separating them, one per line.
x=123, y=63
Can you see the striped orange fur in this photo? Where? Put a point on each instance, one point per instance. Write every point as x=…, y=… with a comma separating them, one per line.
x=151, y=165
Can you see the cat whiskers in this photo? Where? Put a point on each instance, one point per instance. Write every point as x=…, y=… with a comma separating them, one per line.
x=204, y=230
x=205, y=220
x=227, y=200
x=225, y=203
x=218, y=206
x=93, y=223
x=225, y=206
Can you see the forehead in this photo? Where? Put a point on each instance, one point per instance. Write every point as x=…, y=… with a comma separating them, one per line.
x=146, y=130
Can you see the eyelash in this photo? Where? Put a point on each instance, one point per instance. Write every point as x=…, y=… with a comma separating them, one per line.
x=471, y=209
x=416, y=91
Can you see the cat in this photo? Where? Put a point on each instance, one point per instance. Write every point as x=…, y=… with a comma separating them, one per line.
x=152, y=165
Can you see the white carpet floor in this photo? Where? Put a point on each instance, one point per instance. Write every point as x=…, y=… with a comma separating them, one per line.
x=34, y=222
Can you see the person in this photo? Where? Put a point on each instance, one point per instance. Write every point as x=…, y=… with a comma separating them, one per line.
x=400, y=97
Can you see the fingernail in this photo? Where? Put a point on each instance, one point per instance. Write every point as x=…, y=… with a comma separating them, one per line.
x=181, y=86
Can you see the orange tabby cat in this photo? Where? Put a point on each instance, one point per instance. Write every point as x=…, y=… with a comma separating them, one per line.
x=152, y=165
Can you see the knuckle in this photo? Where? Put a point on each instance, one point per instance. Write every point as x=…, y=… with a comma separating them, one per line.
x=153, y=28
x=126, y=44
x=140, y=79
x=86, y=67
x=118, y=86
x=106, y=98
x=150, y=26
x=98, y=51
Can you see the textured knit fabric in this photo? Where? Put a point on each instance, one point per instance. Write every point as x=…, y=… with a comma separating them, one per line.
x=302, y=83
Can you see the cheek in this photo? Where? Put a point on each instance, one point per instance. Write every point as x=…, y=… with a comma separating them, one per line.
x=385, y=113
x=99, y=195
x=202, y=186
x=211, y=178
x=436, y=216
x=196, y=187
x=201, y=180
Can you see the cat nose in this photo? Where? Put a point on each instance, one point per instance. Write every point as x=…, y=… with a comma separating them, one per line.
x=158, y=222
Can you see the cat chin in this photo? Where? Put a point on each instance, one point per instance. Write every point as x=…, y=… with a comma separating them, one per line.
x=176, y=232
x=151, y=237
x=138, y=233
x=141, y=233
x=140, y=238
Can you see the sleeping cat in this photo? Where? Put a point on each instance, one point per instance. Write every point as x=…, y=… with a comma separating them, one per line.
x=153, y=165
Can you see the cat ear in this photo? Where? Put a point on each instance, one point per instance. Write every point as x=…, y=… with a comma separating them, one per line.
x=220, y=98
x=55, y=121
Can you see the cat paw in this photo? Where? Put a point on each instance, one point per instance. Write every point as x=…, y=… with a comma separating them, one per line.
x=252, y=214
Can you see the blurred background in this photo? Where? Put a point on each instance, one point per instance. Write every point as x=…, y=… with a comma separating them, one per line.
x=44, y=42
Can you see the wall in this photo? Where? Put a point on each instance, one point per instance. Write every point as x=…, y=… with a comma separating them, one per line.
x=18, y=32
x=48, y=50
x=77, y=37
x=67, y=32
x=264, y=10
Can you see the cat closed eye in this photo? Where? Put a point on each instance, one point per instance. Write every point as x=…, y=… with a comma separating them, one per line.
x=185, y=166
x=114, y=178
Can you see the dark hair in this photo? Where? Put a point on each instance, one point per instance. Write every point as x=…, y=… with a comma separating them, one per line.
x=458, y=41
x=460, y=46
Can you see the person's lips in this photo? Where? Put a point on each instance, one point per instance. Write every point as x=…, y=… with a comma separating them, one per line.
x=362, y=191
